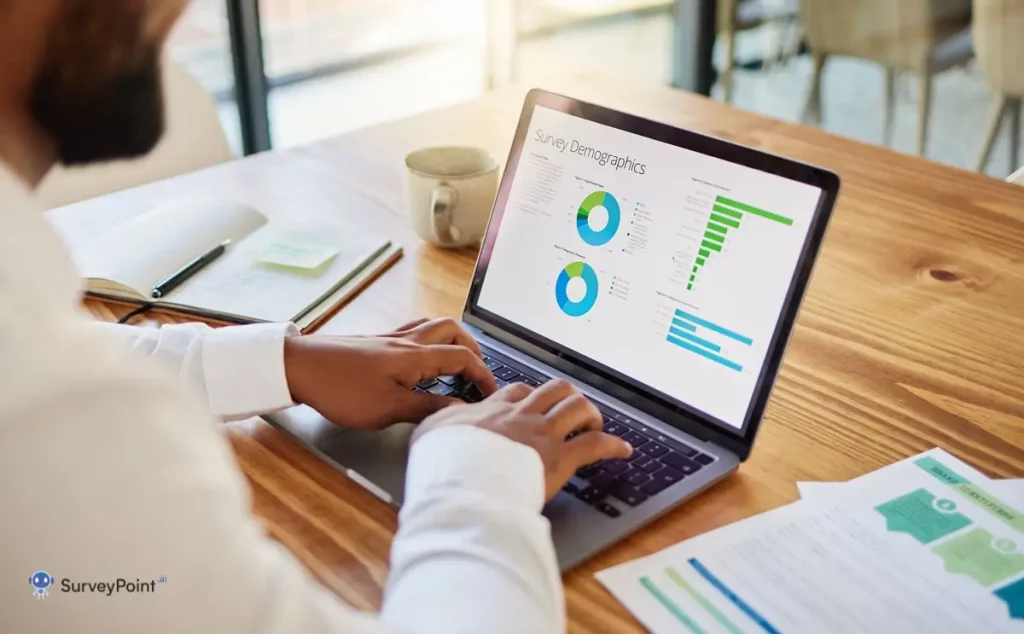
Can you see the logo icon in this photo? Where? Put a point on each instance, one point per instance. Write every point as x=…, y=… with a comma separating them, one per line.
x=943, y=505
x=1004, y=544
x=41, y=581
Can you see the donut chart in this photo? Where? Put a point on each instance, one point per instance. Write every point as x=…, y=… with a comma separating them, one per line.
x=586, y=273
x=589, y=235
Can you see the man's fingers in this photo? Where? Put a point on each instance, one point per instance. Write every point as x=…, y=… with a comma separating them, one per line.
x=592, y=446
x=404, y=328
x=455, y=359
x=512, y=393
x=575, y=413
x=415, y=406
x=547, y=396
x=445, y=331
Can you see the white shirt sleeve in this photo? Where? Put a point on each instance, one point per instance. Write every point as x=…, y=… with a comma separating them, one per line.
x=238, y=369
x=113, y=472
x=470, y=490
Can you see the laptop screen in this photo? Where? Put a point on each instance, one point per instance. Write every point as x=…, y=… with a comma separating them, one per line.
x=665, y=265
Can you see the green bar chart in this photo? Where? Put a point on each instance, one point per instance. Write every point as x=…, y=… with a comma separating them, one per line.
x=726, y=216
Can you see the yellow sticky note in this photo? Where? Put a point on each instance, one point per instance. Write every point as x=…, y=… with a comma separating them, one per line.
x=295, y=254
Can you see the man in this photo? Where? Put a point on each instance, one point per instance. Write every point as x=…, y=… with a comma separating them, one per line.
x=112, y=469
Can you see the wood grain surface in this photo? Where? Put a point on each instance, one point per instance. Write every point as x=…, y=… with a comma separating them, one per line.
x=911, y=335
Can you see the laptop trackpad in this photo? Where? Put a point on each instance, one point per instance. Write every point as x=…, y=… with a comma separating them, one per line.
x=378, y=456
x=381, y=457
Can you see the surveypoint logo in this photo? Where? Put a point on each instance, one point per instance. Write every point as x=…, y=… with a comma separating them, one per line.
x=41, y=582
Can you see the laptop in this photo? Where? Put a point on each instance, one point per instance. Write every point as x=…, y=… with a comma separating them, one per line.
x=657, y=269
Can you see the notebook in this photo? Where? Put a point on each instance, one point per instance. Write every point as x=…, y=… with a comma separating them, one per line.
x=270, y=271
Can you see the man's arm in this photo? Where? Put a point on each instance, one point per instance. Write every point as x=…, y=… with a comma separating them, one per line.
x=472, y=525
x=120, y=475
x=239, y=370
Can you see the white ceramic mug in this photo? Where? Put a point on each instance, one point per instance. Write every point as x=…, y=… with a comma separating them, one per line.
x=450, y=191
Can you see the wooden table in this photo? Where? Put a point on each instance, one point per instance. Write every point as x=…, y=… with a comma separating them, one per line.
x=911, y=335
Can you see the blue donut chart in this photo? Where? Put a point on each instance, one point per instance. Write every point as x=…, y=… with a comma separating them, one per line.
x=587, y=233
x=589, y=277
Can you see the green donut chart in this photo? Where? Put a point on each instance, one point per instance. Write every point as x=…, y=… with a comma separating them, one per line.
x=587, y=233
x=589, y=277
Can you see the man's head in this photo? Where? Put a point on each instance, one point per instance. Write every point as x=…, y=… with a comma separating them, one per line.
x=90, y=79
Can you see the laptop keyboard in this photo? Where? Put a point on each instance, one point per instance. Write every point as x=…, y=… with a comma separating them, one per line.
x=657, y=463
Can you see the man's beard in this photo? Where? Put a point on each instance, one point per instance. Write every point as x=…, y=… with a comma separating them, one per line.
x=119, y=118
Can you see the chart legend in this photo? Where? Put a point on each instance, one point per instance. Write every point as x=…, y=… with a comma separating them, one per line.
x=726, y=216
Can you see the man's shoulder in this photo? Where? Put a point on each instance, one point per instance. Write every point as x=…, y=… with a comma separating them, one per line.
x=30, y=331
x=37, y=273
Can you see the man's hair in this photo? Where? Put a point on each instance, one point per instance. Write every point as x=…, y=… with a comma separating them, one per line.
x=97, y=93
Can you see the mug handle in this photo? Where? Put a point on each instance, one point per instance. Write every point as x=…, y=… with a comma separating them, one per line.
x=442, y=202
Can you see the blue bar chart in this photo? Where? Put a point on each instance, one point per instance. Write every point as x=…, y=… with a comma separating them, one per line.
x=688, y=332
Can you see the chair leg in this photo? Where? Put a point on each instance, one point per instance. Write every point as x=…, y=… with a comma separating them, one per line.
x=1015, y=108
x=730, y=65
x=924, y=109
x=995, y=118
x=813, y=107
x=794, y=38
x=775, y=43
x=890, y=105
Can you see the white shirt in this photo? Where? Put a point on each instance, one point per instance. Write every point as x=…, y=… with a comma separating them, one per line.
x=112, y=466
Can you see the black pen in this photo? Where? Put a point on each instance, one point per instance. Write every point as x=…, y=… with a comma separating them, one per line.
x=182, y=275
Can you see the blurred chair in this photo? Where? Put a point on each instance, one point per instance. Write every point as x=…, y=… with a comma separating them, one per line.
x=922, y=36
x=999, y=42
x=194, y=139
x=735, y=16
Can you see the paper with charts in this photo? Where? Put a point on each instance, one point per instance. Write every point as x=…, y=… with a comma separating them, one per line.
x=920, y=546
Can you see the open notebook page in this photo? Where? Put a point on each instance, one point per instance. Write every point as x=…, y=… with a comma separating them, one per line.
x=243, y=284
x=145, y=250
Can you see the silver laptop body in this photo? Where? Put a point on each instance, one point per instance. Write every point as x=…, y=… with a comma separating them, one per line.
x=691, y=446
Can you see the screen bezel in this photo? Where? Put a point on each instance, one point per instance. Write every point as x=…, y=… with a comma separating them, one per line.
x=636, y=394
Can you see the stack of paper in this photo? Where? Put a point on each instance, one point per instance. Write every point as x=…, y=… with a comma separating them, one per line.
x=928, y=544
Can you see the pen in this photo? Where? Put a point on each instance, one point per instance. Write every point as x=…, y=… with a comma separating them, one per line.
x=168, y=284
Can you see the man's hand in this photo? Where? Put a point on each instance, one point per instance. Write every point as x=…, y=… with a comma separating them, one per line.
x=442, y=330
x=366, y=382
x=541, y=419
